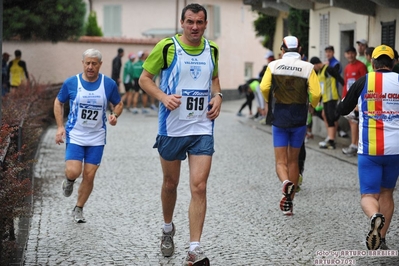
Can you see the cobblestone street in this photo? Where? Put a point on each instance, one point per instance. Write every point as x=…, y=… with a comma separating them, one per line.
x=243, y=226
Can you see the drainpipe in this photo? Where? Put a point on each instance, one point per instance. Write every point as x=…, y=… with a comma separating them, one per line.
x=177, y=16
x=1, y=50
x=368, y=29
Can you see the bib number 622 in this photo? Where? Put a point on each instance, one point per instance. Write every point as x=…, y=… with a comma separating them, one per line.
x=89, y=114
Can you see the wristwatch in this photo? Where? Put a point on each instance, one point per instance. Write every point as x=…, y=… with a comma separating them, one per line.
x=114, y=114
x=219, y=93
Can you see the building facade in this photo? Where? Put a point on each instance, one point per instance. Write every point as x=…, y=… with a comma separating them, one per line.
x=137, y=25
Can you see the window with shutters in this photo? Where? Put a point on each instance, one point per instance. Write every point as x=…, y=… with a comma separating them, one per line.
x=388, y=33
x=213, y=29
x=112, y=21
x=324, y=33
x=248, y=70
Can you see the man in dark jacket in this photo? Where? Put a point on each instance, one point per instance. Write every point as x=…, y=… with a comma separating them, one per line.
x=116, y=66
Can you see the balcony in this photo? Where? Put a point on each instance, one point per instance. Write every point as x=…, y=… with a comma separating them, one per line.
x=273, y=7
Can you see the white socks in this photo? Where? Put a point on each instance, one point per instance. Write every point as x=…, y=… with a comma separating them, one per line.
x=193, y=245
x=167, y=227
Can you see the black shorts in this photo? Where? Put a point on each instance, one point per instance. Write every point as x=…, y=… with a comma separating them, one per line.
x=128, y=86
x=136, y=86
x=329, y=112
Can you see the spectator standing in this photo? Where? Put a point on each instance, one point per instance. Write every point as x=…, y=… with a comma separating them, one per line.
x=190, y=100
x=361, y=49
x=369, y=65
x=269, y=58
x=332, y=61
x=353, y=71
x=328, y=77
x=378, y=153
x=88, y=94
x=128, y=81
x=17, y=71
x=116, y=67
x=294, y=84
x=137, y=69
x=5, y=84
x=396, y=66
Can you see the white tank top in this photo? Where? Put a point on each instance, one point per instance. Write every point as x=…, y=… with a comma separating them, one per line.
x=191, y=77
x=89, y=120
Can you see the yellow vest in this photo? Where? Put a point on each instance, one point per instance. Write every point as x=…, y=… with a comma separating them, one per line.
x=17, y=74
x=328, y=85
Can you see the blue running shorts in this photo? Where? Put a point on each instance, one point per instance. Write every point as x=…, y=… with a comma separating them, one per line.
x=88, y=154
x=292, y=136
x=177, y=148
x=376, y=172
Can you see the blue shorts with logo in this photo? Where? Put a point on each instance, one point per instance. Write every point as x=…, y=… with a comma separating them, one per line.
x=177, y=148
x=291, y=136
x=88, y=154
x=377, y=172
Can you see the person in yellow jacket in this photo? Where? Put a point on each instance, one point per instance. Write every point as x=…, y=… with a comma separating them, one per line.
x=17, y=71
x=328, y=77
x=294, y=85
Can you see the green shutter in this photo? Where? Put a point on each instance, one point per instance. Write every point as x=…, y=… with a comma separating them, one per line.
x=216, y=21
x=112, y=21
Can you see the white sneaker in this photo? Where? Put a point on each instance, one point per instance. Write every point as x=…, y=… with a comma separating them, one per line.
x=342, y=134
x=78, y=215
x=67, y=187
x=153, y=107
x=324, y=142
x=350, y=151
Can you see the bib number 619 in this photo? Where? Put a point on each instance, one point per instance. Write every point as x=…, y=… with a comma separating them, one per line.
x=195, y=103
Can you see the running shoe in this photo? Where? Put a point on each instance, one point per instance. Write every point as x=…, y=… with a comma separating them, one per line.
x=263, y=121
x=308, y=137
x=286, y=202
x=343, y=134
x=350, y=151
x=300, y=179
x=196, y=258
x=330, y=145
x=373, y=239
x=154, y=107
x=322, y=143
x=383, y=245
x=78, y=215
x=67, y=187
x=167, y=245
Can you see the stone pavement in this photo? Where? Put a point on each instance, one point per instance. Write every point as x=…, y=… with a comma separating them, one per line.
x=244, y=225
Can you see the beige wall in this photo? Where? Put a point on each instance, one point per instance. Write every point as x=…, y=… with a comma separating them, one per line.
x=238, y=45
x=138, y=15
x=53, y=63
x=339, y=18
